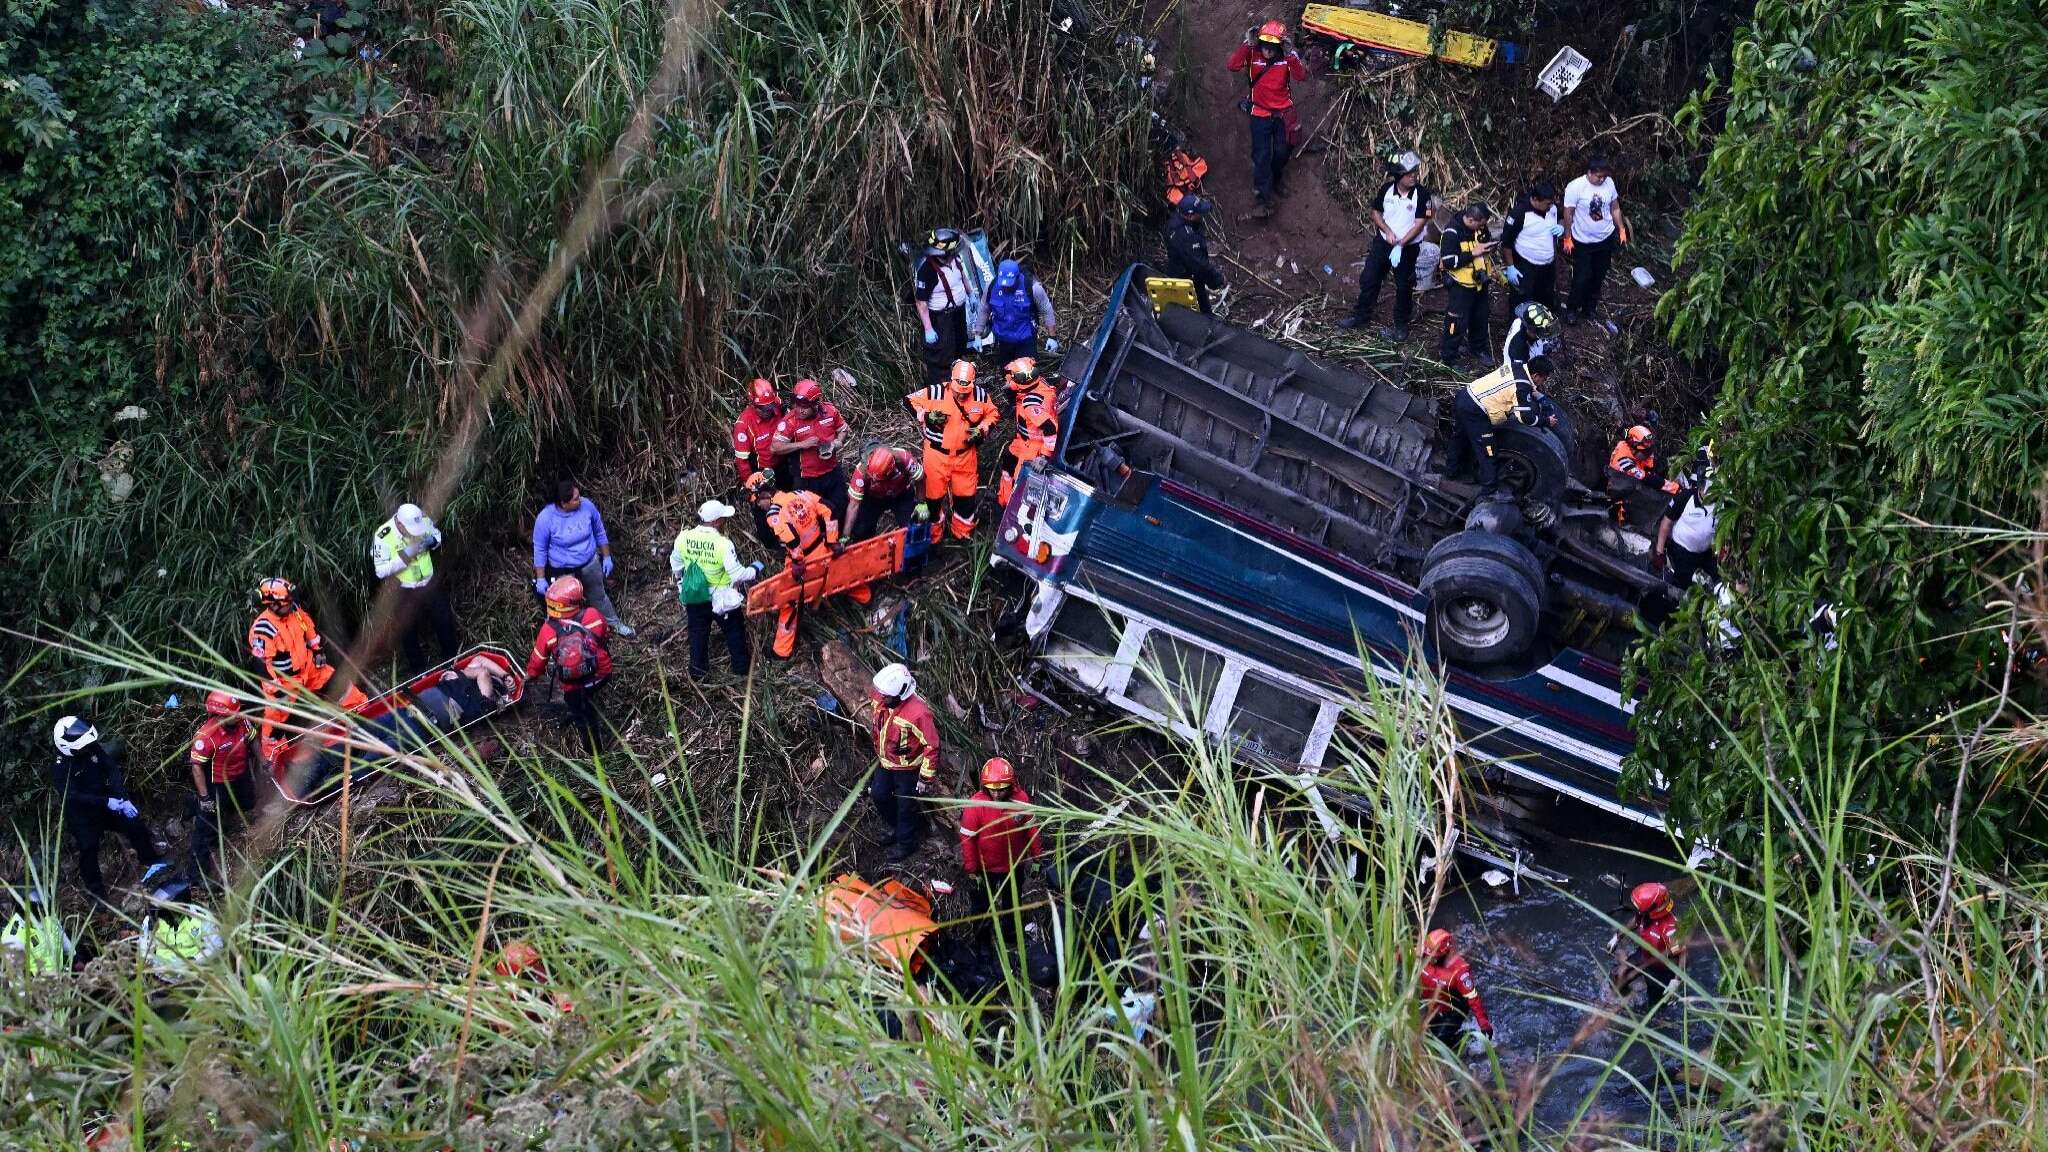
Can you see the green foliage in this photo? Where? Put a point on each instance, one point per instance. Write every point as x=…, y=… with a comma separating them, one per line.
x=1865, y=255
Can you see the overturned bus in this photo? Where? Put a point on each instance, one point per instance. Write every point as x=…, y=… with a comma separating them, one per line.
x=1228, y=526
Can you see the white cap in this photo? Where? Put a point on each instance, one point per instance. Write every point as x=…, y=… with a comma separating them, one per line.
x=711, y=512
x=895, y=680
x=1407, y=162
x=413, y=520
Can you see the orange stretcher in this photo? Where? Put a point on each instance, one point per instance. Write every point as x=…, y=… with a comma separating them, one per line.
x=1394, y=34
x=890, y=919
x=875, y=558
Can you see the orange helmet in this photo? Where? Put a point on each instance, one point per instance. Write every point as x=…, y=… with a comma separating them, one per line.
x=1020, y=373
x=1641, y=438
x=518, y=959
x=565, y=595
x=807, y=392
x=1651, y=899
x=759, y=483
x=762, y=394
x=963, y=374
x=1272, y=32
x=881, y=463
x=219, y=703
x=1437, y=944
x=276, y=592
x=997, y=773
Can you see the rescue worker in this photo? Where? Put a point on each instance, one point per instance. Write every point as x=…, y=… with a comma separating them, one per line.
x=1531, y=235
x=1187, y=249
x=1633, y=468
x=996, y=839
x=520, y=964
x=955, y=417
x=571, y=641
x=1399, y=214
x=1016, y=312
x=811, y=431
x=1449, y=996
x=1035, y=408
x=708, y=574
x=1594, y=227
x=907, y=755
x=223, y=753
x=751, y=434
x=285, y=643
x=889, y=480
x=176, y=940
x=1510, y=392
x=1468, y=264
x=1685, y=533
x=941, y=298
x=1654, y=952
x=1533, y=333
x=808, y=535
x=87, y=776
x=37, y=939
x=569, y=539
x=1271, y=67
x=402, y=547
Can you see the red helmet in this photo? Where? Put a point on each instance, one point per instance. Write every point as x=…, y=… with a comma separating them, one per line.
x=1641, y=438
x=1437, y=944
x=807, y=392
x=1272, y=32
x=1020, y=373
x=1651, y=899
x=881, y=463
x=518, y=959
x=565, y=595
x=276, y=592
x=219, y=703
x=763, y=394
x=963, y=374
x=997, y=773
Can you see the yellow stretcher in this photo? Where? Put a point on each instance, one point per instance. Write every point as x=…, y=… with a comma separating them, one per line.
x=1393, y=34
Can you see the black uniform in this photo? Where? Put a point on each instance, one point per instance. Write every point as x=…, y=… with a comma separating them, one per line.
x=1464, y=305
x=949, y=320
x=1379, y=263
x=1187, y=255
x=86, y=781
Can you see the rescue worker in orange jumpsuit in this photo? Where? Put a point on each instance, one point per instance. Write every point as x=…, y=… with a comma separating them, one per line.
x=889, y=480
x=955, y=418
x=223, y=751
x=808, y=535
x=1035, y=408
x=1633, y=467
x=1659, y=950
x=285, y=642
x=751, y=435
x=907, y=751
x=996, y=839
x=1449, y=996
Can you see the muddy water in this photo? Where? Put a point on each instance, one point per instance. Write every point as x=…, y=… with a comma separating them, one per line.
x=1541, y=962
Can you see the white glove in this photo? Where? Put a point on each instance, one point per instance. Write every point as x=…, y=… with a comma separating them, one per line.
x=1052, y=346
x=1394, y=257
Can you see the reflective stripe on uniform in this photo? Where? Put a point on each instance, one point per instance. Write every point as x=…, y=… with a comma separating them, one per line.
x=419, y=569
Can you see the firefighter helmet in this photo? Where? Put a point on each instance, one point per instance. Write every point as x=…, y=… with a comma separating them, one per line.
x=1651, y=899
x=1021, y=372
x=997, y=773
x=963, y=374
x=761, y=394
x=565, y=595
x=1542, y=321
x=941, y=242
x=1272, y=32
x=276, y=592
x=759, y=484
x=1437, y=944
x=881, y=463
x=1641, y=438
x=219, y=703
x=807, y=392
x=895, y=682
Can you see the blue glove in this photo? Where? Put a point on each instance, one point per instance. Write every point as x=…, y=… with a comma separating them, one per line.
x=540, y=586
x=1394, y=257
x=607, y=567
x=1052, y=346
x=123, y=807
x=931, y=336
x=1556, y=230
x=1515, y=277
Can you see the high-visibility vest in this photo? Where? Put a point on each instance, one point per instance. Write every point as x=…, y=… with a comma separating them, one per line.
x=420, y=569
x=189, y=941
x=1495, y=393
x=40, y=940
x=703, y=547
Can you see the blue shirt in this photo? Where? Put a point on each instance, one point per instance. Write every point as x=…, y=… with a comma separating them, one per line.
x=568, y=539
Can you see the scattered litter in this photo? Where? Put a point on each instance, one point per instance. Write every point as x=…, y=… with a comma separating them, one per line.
x=816, y=767
x=1294, y=268
x=131, y=412
x=1329, y=271
x=1279, y=261
x=1563, y=74
x=1611, y=880
x=658, y=779
x=942, y=888
x=1643, y=277
x=953, y=705
x=171, y=701
x=1613, y=329
x=827, y=701
x=1494, y=877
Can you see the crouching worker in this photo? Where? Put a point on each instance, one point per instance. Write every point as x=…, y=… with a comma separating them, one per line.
x=1653, y=951
x=997, y=837
x=1633, y=469
x=1449, y=997
x=223, y=787
x=1514, y=391
x=572, y=643
x=889, y=480
x=809, y=536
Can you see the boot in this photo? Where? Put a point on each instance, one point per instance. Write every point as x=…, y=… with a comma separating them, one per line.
x=785, y=633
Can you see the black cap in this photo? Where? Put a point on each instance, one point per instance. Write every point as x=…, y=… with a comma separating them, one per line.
x=1477, y=209
x=1196, y=205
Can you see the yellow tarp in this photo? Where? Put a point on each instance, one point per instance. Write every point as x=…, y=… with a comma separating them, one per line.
x=1409, y=37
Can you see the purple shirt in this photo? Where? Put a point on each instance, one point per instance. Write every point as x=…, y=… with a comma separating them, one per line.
x=568, y=539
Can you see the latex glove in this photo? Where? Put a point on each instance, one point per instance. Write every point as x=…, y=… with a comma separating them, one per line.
x=1656, y=560
x=923, y=512
x=607, y=567
x=121, y=807
x=931, y=336
x=1622, y=233
x=540, y=586
x=1567, y=245
x=758, y=568
x=1052, y=346
x=1515, y=277
x=1556, y=230
x=1394, y=257
x=981, y=343
x=412, y=550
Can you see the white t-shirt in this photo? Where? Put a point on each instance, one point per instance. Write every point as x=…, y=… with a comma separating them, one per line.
x=1592, y=208
x=1694, y=528
x=1534, y=242
x=1399, y=208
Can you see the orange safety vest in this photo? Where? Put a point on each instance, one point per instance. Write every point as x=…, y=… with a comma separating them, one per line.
x=1038, y=423
x=891, y=919
x=802, y=521
x=962, y=413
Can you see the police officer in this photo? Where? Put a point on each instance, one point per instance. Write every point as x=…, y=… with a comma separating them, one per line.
x=1467, y=263
x=402, y=547
x=87, y=776
x=1510, y=392
x=1187, y=248
x=708, y=573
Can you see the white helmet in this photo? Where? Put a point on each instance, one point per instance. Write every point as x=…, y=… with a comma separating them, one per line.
x=74, y=735
x=895, y=681
x=413, y=519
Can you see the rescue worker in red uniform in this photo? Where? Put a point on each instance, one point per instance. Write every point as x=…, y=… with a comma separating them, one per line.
x=751, y=435
x=810, y=431
x=284, y=641
x=1654, y=951
x=1449, y=996
x=572, y=641
x=1035, y=407
x=907, y=755
x=955, y=417
x=996, y=840
x=809, y=536
x=889, y=480
x=1271, y=67
x=1633, y=468
x=520, y=965
x=223, y=785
